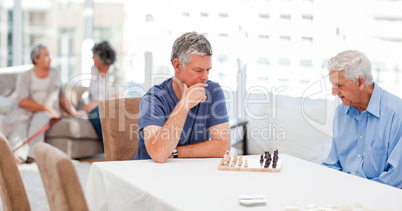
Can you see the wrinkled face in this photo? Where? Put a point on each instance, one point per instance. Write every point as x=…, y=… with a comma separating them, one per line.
x=197, y=70
x=347, y=90
x=97, y=61
x=44, y=59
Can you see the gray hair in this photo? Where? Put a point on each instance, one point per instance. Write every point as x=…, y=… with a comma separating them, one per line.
x=188, y=44
x=35, y=52
x=105, y=52
x=354, y=64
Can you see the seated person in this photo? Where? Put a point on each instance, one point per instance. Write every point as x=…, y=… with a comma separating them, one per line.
x=367, y=138
x=107, y=81
x=185, y=116
x=39, y=93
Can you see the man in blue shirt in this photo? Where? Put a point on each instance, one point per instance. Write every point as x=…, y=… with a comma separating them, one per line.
x=185, y=116
x=368, y=126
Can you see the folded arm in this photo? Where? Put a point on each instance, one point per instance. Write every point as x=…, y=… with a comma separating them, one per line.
x=32, y=105
x=216, y=147
x=161, y=141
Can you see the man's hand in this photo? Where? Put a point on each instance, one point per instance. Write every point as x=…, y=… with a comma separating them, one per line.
x=193, y=95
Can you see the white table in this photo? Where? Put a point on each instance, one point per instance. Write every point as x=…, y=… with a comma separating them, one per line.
x=196, y=184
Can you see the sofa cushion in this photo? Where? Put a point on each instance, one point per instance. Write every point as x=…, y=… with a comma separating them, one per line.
x=74, y=95
x=5, y=105
x=7, y=84
x=77, y=148
x=70, y=127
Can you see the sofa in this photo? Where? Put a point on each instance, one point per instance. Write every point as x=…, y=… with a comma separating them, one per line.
x=298, y=126
x=76, y=137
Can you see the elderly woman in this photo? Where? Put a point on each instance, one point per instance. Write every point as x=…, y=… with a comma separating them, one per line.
x=39, y=93
x=107, y=81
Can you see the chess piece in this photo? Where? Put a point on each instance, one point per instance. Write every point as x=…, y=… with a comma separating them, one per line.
x=245, y=163
x=261, y=159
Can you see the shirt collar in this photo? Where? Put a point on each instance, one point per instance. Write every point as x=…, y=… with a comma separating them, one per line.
x=374, y=103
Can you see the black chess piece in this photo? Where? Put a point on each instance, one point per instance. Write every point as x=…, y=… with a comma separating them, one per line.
x=262, y=159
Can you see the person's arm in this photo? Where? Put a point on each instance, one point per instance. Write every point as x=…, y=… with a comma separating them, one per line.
x=392, y=175
x=216, y=147
x=161, y=141
x=90, y=106
x=31, y=105
x=68, y=107
x=332, y=160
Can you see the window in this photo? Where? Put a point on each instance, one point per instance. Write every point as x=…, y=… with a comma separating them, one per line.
x=223, y=15
x=307, y=40
x=285, y=17
x=306, y=63
x=204, y=14
x=264, y=37
x=284, y=62
x=264, y=16
x=149, y=18
x=307, y=18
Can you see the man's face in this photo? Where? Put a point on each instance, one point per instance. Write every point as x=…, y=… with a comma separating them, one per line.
x=197, y=70
x=44, y=59
x=347, y=90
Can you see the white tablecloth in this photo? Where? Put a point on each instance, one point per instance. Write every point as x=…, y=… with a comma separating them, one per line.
x=196, y=184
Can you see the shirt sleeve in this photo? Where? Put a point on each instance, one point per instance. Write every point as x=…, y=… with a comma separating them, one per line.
x=219, y=112
x=92, y=88
x=151, y=111
x=332, y=160
x=120, y=78
x=393, y=172
x=22, y=87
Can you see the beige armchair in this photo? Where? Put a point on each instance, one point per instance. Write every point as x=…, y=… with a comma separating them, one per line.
x=12, y=191
x=62, y=186
x=119, y=120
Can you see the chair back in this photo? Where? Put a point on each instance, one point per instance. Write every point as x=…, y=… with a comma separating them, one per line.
x=119, y=121
x=12, y=191
x=62, y=186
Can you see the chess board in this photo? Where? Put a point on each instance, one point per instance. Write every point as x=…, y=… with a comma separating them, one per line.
x=253, y=165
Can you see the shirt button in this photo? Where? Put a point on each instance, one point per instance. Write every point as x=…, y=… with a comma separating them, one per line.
x=368, y=114
x=358, y=155
x=353, y=173
x=361, y=136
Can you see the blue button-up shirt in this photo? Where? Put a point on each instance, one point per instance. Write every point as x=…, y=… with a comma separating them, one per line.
x=369, y=144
